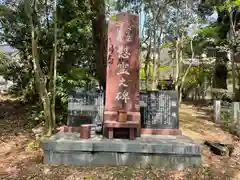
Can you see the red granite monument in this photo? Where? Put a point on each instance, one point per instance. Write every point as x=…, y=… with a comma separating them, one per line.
x=122, y=108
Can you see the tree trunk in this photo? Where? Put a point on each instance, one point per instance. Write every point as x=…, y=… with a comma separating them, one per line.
x=53, y=97
x=232, y=33
x=154, y=74
x=177, y=63
x=100, y=39
x=220, y=73
x=47, y=114
x=41, y=83
x=40, y=77
x=186, y=73
x=180, y=83
x=146, y=67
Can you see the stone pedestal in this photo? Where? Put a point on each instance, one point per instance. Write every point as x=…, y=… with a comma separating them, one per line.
x=122, y=86
x=160, y=151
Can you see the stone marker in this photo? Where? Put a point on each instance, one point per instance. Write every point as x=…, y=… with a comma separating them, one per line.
x=235, y=126
x=235, y=111
x=159, y=112
x=217, y=111
x=122, y=81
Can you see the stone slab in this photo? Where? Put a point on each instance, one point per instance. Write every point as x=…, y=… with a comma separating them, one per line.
x=137, y=160
x=165, y=151
x=163, y=144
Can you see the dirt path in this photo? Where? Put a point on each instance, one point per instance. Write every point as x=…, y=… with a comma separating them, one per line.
x=198, y=125
x=17, y=163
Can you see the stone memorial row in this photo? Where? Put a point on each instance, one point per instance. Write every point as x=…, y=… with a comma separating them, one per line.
x=122, y=100
x=158, y=109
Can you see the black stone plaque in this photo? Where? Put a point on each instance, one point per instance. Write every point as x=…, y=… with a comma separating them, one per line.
x=85, y=107
x=159, y=110
x=144, y=109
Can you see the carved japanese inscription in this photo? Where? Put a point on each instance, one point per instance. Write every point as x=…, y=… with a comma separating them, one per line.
x=123, y=63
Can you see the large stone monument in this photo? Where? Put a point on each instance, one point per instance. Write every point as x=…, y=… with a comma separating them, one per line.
x=122, y=108
x=122, y=117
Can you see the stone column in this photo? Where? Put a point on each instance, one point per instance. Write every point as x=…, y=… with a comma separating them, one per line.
x=122, y=83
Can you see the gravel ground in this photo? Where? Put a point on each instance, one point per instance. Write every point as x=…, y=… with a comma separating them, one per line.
x=18, y=164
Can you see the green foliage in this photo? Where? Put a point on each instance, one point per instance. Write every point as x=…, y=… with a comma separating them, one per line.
x=76, y=63
x=209, y=31
x=3, y=63
x=36, y=115
x=167, y=44
x=142, y=73
x=236, y=2
x=222, y=94
x=114, y=18
x=34, y=145
x=226, y=118
x=197, y=75
x=75, y=66
x=228, y=4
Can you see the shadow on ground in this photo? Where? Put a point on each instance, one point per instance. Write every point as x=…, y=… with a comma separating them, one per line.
x=18, y=164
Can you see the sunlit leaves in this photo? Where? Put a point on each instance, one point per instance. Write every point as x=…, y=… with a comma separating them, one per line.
x=197, y=75
x=236, y=2
x=208, y=31
x=114, y=18
x=4, y=62
x=167, y=44
x=228, y=5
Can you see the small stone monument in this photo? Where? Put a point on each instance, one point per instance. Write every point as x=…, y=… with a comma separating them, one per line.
x=236, y=111
x=217, y=111
x=235, y=127
x=84, y=107
x=160, y=113
x=122, y=86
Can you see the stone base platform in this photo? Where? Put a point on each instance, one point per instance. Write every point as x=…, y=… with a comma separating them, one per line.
x=163, y=151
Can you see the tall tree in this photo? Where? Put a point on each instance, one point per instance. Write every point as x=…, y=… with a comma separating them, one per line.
x=46, y=96
x=223, y=24
x=28, y=26
x=99, y=31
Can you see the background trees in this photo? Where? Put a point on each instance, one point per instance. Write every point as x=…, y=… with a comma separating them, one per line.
x=179, y=41
x=29, y=27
